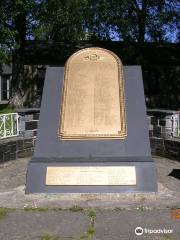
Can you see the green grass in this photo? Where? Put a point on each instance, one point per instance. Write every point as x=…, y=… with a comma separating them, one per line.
x=49, y=237
x=76, y=209
x=91, y=231
x=40, y=209
x=175, y=207
x=4, y=212
x=119, y=209
x=6, y=109
x=83, y=237
x=89, y=234
x=92, y=213
x=141, y=208
x=167, y=237
x=32, y=209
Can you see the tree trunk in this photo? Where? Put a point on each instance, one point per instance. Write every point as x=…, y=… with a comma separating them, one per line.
x=142, y=22
x=17, y=99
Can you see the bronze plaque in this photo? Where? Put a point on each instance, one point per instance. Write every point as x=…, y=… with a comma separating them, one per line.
x=93, y=97
x=100, y=175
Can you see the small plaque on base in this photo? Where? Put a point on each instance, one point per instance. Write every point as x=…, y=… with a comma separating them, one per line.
x=85, y=175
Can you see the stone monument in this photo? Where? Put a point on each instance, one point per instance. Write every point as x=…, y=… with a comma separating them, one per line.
x=92, y=133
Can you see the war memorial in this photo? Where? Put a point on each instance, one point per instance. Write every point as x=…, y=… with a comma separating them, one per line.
x=92, y=133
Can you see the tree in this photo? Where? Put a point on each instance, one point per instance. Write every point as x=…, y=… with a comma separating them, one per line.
x=61, y=20
x=139, y=20
x=73, y=20
x=15, y=27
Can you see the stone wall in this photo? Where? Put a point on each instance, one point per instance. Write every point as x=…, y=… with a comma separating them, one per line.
x=165, y=147
x=163, y=123
x=163, y=133
x=13, y=148
x=28, y=122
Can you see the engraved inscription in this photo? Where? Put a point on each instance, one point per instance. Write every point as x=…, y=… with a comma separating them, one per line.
x=100, y=175
x=93, y=97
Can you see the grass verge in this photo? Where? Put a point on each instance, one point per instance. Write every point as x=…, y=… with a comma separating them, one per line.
x=4, y=212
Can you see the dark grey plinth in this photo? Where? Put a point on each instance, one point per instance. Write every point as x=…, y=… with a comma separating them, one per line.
x=133, y=151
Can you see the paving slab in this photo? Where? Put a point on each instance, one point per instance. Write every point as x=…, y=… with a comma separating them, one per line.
x=12, y=191
x=108, y=224
x=121, y=224
x=34, y=225
x=55, y=217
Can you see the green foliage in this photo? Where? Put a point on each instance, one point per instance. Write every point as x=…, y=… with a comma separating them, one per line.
x=38, y=209
x=175, y=207
x=5, y=211
x=85, y=19
x=91, y=231
x=167, y=237
x=92, y=213
x=5, y=55
x=6, y=109
x=49, y=237
x=76, y=209
x=141, y=208
x=140, y=21
x=72, y=20
x=61, y=20
x=89, y=234
x=119, y=209
x=17, y=20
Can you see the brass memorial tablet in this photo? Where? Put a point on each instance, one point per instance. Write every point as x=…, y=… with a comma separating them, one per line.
x=93, y=97
x=83, y=175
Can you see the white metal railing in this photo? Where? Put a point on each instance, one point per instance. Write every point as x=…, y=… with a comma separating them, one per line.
x=176, y=125
x=9, y=126
x=172, y=118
